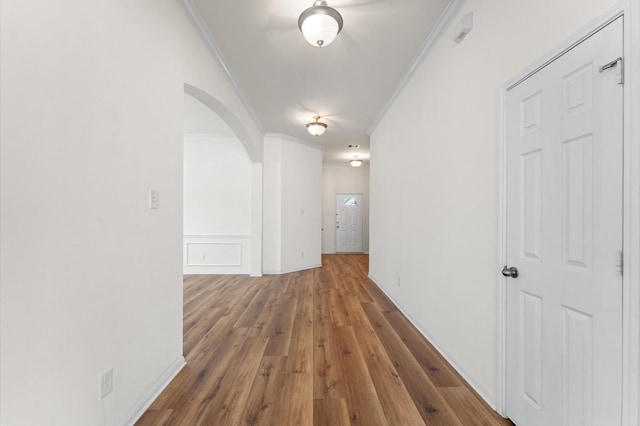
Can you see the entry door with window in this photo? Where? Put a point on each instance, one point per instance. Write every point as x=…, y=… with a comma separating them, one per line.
x=349, y=223
x=564, y=238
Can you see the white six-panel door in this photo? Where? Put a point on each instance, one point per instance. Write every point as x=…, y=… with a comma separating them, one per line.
x=564, y=235
x=349, y=223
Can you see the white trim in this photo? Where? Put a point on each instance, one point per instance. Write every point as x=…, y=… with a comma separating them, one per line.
x=631, y=277
x=196, y=20
x=563, y=47
x=501, y=357
x=228, y=236
x=213, y=265
x=216, y=262
x=480, y=390
x=438, y=30
x=631, y=236
x=154, y=391
x=288, y=271
x=257, y=217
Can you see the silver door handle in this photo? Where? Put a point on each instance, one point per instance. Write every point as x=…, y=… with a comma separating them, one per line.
x=510, y=272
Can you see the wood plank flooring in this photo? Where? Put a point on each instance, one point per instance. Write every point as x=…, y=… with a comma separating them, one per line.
x=316, y=347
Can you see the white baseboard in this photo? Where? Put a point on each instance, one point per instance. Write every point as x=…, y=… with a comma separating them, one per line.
x=154, y=391
x=335, y=252
x=304, y=268
x=480, y=390
x=288, y=271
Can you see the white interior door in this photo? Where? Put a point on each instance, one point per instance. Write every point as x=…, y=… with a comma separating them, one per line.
x=349, y=223
x=564, y=236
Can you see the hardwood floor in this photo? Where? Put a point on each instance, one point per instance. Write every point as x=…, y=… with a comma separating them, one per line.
x=317, y=347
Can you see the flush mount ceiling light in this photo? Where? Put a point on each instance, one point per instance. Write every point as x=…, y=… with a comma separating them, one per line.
x=320, y=24
x=355, y=162
x=316, y=128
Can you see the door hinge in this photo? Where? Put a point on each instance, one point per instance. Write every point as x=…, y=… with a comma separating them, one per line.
x=618, y=63
x=619, y=262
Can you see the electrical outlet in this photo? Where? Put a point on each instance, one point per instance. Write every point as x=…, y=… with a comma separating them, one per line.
x=106, y=383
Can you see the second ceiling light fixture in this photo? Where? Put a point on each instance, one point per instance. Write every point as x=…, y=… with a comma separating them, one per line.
x=316, y=128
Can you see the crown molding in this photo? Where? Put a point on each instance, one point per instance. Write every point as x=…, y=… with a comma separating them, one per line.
x=198, y=24
x=438, y=30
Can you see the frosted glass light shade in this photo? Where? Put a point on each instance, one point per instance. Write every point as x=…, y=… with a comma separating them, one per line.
x=320, y=24
x=316, y=129
x=355, y=162
x=320, y=30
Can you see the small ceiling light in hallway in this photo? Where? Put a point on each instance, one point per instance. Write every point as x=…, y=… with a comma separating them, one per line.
x=316, y=128
x=355, y=162
x=320, y=24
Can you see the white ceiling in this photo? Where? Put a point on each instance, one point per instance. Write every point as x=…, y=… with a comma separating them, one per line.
x=285, y=81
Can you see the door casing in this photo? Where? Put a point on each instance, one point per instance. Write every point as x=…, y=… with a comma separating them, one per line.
x=631, y=208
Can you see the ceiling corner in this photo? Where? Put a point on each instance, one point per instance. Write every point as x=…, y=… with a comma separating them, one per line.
x=441, y=26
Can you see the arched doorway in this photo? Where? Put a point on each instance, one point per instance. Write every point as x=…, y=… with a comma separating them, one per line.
x=222, y=190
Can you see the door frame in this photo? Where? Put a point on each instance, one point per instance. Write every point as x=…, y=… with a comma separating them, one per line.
x=631, y=206
x=335, y=230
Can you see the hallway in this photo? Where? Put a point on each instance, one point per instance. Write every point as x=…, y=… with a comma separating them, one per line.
x=322, y=346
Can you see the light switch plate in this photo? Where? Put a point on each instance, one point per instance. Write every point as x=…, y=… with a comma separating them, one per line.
x=154, y=199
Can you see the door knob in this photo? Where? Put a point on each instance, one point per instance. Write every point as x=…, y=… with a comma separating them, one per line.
x=510, y=272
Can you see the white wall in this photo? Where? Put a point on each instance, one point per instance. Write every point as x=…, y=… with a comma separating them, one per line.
x=434, y=186
x=342, y=178
x=292, y=205
x=217, y=187
x=91, y=110
x=217, y=206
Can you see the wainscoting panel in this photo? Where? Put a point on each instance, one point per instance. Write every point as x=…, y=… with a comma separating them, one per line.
x=216, y=254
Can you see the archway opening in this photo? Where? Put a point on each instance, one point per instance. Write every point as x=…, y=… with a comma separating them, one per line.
x=222, y=191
